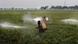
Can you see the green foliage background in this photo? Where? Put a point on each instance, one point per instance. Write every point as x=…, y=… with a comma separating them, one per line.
x=57, y=33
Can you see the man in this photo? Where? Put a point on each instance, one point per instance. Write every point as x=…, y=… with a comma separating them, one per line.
x=40, y=29
x=42, y=25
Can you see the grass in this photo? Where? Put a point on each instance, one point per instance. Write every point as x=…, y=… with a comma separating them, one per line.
x=57, y=33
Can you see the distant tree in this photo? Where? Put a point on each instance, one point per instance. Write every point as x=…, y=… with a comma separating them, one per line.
x=1, y=9
x=12, y=8
x=52, y=7
x=71, y=7
x=44, y=7
x=76, y=7
x=59, y=7
x=65, y=7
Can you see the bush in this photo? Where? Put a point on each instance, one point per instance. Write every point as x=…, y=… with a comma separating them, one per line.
x=9, y=36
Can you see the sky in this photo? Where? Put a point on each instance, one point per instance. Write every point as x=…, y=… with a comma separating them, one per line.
x=35, y=3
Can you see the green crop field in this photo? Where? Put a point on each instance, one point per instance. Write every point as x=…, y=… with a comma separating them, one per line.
x=57, y=33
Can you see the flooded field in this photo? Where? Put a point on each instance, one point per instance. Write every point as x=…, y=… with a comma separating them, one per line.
x=21, y=27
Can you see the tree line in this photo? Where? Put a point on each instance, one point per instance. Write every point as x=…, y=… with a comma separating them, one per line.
x=59, y=7
x=42, y=8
